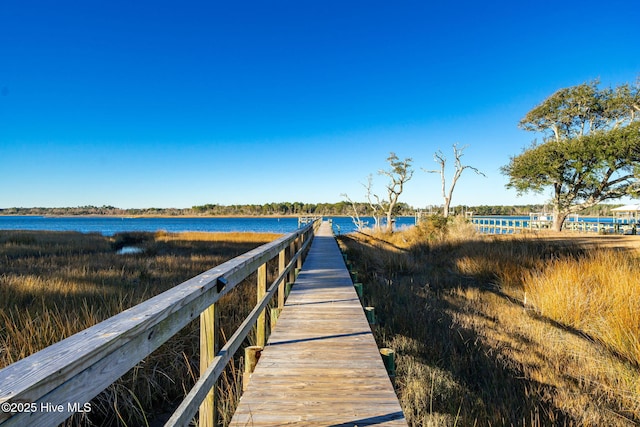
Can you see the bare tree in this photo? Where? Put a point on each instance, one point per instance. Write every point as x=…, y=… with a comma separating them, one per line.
x=376, y=207
x=357, y=221
x=399, y=173
x=441, y=159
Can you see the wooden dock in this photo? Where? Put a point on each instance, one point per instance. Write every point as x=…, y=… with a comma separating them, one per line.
x=321, y=365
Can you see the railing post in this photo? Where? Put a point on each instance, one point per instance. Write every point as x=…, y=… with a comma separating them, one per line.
x=208, y=344
x=292, y=253
x=282, y=263
x=389, y=359
x=261, y=325
x=251, y=356
x=298, y=247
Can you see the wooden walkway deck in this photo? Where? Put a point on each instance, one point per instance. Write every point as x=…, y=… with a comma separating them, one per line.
x=321, y=365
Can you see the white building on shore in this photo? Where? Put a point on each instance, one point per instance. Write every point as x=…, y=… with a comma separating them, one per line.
x=627, y=214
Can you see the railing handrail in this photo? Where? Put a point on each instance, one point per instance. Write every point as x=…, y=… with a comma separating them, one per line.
x=81, y=366
x=187, y=409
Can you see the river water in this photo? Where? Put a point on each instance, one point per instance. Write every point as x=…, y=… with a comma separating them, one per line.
x=109, y=226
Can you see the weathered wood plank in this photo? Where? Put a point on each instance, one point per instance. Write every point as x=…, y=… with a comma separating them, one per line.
x=261, y=326
x=208, y=348
x=321, y=366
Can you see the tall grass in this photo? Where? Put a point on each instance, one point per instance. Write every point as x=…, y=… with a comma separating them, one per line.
x=53, y=285
x=597, y=294
x=476, y=344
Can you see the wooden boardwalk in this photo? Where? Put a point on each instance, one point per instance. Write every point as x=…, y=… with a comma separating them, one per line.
x=321, y=365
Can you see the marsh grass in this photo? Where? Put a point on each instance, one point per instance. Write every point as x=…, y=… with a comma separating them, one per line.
x=53, y=285
x=597, y=294
x=517, y=330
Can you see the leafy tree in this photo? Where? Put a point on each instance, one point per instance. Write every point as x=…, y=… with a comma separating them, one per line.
x=584, y=109
x=591, y=148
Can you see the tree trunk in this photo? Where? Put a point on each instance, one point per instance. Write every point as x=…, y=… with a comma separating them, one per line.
x=376, y=222
x=558, y=219
x=559, y=213
x=445, y=210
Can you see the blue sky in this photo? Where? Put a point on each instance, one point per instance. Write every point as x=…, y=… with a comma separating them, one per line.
x=175, y=104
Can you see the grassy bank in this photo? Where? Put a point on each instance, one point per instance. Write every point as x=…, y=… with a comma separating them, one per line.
x=520, y=331
x=53, y=285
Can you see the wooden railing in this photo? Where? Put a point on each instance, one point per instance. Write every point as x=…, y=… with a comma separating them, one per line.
x=49, y=386
x=500, y=225
x=506, y=225
x=304, y=220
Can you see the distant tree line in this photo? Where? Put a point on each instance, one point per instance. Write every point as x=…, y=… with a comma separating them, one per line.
x=343, y=208
x=78, y=210
x=269, y=209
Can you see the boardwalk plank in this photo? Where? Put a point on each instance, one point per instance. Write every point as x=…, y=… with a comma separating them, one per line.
x=321, y=365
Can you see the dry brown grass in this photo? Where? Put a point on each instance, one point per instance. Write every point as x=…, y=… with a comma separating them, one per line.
x=472, y=351
x=233, y=237
x=53, y=285
x=597, y=294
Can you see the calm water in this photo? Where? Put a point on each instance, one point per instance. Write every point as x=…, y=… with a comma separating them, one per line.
x=108, y=226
